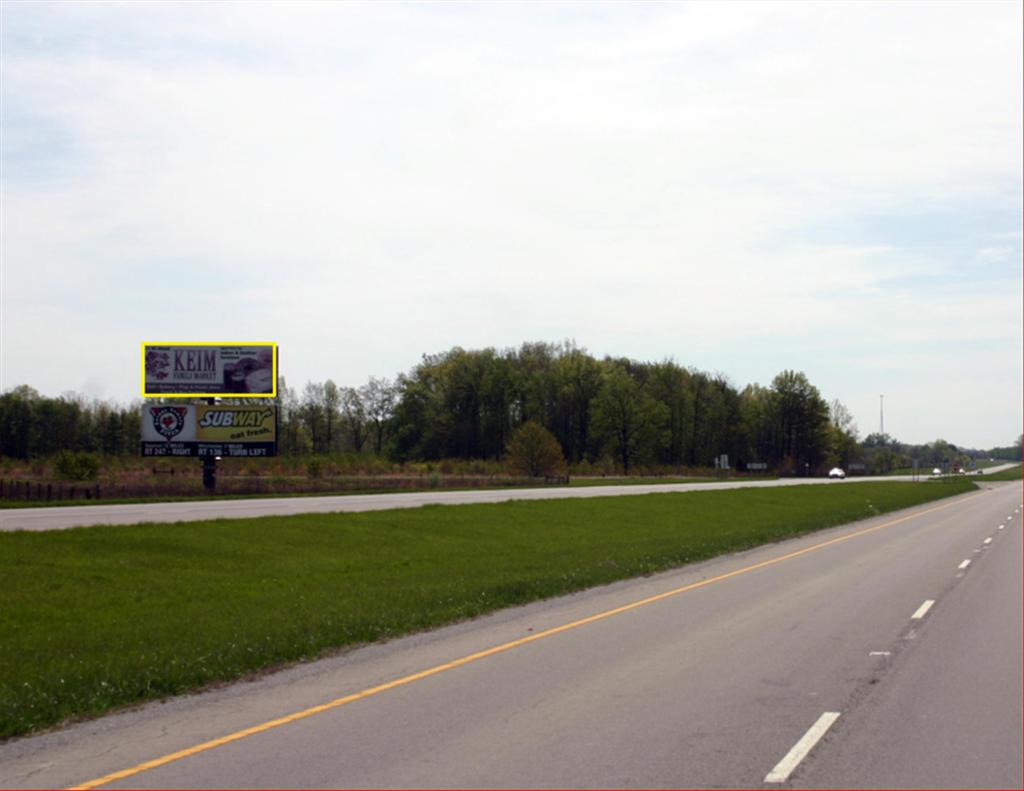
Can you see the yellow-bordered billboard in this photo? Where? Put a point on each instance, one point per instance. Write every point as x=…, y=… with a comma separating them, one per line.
x=213, y=370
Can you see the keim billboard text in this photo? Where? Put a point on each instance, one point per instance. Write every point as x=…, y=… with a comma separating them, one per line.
x=241, y=370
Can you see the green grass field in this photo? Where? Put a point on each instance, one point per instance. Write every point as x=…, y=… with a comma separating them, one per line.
x=1012, y=474
x=647, y=480
x=926, y=469
x=95, y=618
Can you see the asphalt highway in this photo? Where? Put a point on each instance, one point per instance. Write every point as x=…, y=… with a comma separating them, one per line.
x=62, y=517
x=882, y=654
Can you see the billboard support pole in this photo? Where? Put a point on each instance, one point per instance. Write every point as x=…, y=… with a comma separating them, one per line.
x=210, y=464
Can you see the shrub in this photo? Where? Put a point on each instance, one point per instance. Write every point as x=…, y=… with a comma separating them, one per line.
x=533, y=450
x=76, y=465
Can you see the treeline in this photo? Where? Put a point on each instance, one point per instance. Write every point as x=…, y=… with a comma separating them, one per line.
x=467, y=404
x=1008, y=453
x=34, y=426
x=611, y=412
x=883, y=453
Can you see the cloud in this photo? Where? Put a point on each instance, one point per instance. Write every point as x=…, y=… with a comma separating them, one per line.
x=993, y=255
x=368, y=182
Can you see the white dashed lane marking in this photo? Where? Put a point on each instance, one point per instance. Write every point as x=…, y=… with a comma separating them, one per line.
x=922, y=610
x=784, y=768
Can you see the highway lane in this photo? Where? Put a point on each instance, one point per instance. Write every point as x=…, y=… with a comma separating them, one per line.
x=62, y=517
x=712, y=683
x=934, y=726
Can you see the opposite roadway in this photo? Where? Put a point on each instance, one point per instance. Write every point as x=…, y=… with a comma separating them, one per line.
x=61, y=517
x=881, y=654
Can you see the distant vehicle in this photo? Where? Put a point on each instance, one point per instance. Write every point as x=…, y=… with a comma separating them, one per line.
x=836, y=472
x=936, y=471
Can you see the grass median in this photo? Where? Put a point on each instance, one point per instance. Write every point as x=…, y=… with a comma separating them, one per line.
x=426, y=487
x=96, y=618
x=1011, y=474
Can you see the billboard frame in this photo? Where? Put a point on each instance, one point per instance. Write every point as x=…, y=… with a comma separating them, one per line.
x=216, y=394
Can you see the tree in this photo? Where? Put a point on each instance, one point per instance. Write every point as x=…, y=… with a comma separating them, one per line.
x=292, y=437
x=841, y=417
x=419, y=422
x=670, y=385
x=578, y=381
x=1008, y=453
x=801, y=418
x=722, y=419
x=842, y=435
x=700, y=385
x=843, y=447
x=757, y=424
x=379, y=397
x=33, y=426
x=354, y=414
x=17, y=417
x=533, y=450
x=884, y=453
x=535, y=386
x=628, y=418
x=312, y=411
x=331, y=395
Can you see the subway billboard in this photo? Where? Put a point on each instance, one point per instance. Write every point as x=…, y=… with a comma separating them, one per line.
x=178, y=370
x=209, y=431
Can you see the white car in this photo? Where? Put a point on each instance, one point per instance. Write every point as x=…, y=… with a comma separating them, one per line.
x=936, y=471
x=836, y=472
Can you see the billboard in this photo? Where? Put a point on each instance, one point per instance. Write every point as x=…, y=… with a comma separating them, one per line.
x=209, y=431
x=240, y=370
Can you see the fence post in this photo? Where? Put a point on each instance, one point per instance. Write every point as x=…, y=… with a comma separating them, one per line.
x=49, y=492
x=72, y=493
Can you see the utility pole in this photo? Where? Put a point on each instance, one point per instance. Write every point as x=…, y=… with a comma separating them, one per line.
x=881, y=414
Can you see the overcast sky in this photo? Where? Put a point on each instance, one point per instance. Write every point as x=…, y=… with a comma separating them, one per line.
x=828, y=187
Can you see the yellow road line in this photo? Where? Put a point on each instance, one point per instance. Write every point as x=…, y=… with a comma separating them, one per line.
x=433, y=671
